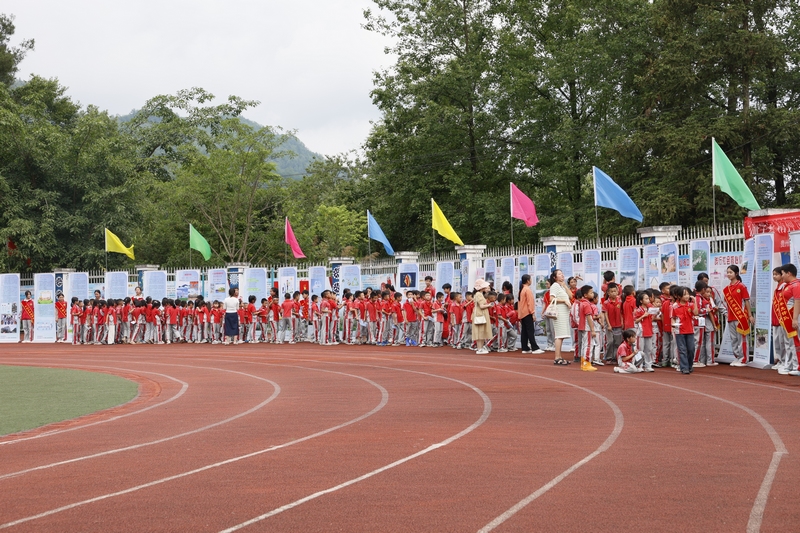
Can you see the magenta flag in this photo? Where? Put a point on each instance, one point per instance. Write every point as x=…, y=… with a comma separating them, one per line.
x=291, y=240
x=522, y=207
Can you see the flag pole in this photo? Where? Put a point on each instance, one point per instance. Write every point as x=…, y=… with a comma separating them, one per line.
x=190, y=245
x=511, y=202
x=369, y=244
x=105, y=242
x=433, y=231
x=285, y=244
x=713, y=191
x=596, y=219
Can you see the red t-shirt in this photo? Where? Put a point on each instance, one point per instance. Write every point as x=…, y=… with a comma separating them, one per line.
x=410, y=311
x=791, y=291
x=468, y=309
x=275, y=307
x=512, y=316
x=613, y=310
x=627, y=312
x=456, y=312
x=584, y=310
x=624, y=350
x=684, y=313
x=287, y=307
x=647, y=322
x=61, y=308
x=426, y=307
x=172, y=315
x=439, y=307
x=76, y=313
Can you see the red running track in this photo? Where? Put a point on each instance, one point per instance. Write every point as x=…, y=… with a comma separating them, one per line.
x=306, y=438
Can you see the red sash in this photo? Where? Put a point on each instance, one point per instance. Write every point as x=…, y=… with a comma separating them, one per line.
x=736, y=310
x=785, y=318
x=28, y=305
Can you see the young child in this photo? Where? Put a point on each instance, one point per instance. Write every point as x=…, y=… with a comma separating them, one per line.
x=574, y=325
x=410, y=317
x=643, y=320
x=512, y=324
x=456, y=312
x=77, y=311
x=466, y=325
x=61, y=317
x=27, y=317
x=628, y=305
x=599, y=338
x=626, y=357
x=791, y=295
x=491, y=299
x=125, y=321
x=98, y=321
x=612, y=314
x=372, y=318
x=740, y=316
x=586, y=327
x=110, y=323
x=439, y=311
x=171, y=320
x=425, y=313
x=387, y=318
x=668, y=348
x=782, y=346
x=218, y=317
x=305, y=317
x=157, y=321
x=683, y=313
x=498, y=342
x=701, y=356
x=188, y=322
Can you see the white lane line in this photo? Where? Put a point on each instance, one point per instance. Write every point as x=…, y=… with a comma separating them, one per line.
x=381, y=404
x=760, y=503
x=487, y=409
x=619, y=422
x=184, y=388
x=276, y=391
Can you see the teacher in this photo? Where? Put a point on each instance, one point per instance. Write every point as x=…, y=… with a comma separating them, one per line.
x=481, y=326
x=231, y=306
x=526, y=310
x=560, y=295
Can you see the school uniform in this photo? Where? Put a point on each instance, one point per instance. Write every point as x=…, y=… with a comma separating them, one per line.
x=644, y=335
x=626, y=367
x=76, y=324
x=61, y=321
x=684, y=314
x=438, y=324
x=456, y=312
x=738, y=323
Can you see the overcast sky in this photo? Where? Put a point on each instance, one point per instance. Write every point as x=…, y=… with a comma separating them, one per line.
x=309, y=63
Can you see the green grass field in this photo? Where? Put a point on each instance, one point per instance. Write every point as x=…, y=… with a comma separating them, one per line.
x=32, y=396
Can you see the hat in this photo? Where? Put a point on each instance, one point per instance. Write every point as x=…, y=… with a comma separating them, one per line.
x=481, y=284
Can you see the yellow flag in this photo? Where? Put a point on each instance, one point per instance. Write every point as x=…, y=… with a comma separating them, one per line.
x=113, y=244
x=441, y=225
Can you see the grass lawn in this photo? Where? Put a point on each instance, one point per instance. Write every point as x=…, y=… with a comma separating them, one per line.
x=33, y=396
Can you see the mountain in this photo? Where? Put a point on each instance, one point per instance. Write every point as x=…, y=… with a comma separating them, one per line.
x=288, y=167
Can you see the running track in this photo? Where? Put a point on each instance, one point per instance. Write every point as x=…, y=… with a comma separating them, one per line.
x=306, y=438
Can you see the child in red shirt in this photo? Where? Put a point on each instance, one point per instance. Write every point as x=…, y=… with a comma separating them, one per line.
x=77, y=311
x=628, y=305
x=586, y=327
x=683, y=313
x=626, y=358
x=410, y=316
x=456, y=312
x=512, y=325
x=439, y=312
x=643, y=319
x=61, y=318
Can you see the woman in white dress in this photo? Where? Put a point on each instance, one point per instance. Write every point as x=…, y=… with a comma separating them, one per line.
x=560, y=294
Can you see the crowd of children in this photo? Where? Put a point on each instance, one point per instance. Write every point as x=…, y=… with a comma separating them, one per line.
x=639, y=331
x=381, y=318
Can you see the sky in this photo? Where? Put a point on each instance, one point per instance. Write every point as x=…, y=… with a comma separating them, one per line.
x=309, y=63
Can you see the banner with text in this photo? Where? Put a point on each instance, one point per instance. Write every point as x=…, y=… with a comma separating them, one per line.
x=9, y=307
x=44, y=299
x=316, y=280
x=628, y=267
x=154, y=284
x=762, y=299
x=652, y=270
x=116, y=285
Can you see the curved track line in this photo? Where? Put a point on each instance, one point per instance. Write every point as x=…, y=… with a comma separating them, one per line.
x=184, y=388
x=760, y=503
x=487, y=409
x=276, y=391
x=619, y=421
x=381, y=404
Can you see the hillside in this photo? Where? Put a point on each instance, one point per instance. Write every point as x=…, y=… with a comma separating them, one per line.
x=288, y=167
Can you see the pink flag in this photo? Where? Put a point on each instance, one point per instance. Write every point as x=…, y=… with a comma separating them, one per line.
x=291, y=240
x=522, y=207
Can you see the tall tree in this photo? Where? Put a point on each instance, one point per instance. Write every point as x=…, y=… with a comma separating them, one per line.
x=10, y=57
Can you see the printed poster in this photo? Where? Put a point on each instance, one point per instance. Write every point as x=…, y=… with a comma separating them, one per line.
x=445, y=273
x=155, y=284
x=564, y=263
x=78, y=286
x=685, y=271
x=216, y=284
x=187, y=284
x=407, y=277
x=350, y=278
x=748, y=258
x=762, y=299
x=652, y=269
x=116, y=285
x=255, y=284
x=9, y=307
x=316, y=280
x=44, y=309
x=628, y=267
x=668, y=260
x=489, y=271
x=591, y=269
x=794, y=248
x=507, y=266
x=541, y=278
x=465, y=288
x=287, y=280
x=701, y=257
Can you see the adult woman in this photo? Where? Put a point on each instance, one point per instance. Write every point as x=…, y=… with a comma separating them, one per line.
x=559, y=293
x=525, y=311
x=231, y=306
x=137, y=294
x=481, y=327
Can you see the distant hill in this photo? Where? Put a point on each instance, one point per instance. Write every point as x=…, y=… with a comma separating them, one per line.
x=288, y=167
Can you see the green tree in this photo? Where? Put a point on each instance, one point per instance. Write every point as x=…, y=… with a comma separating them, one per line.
x=10, y=57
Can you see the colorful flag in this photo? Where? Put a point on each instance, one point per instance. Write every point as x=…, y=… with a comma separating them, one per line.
x=609, y=194
x=442, y=226
x=375, y=232
x=724, y=174
x=113, y=244
x=199, y=243
x=291, y=240
x=522, y=207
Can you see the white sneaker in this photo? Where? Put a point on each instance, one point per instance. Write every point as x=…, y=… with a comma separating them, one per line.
x=649, y=369
x=794, y=373
x=712, y=364
x=502, y=350
x=783, y=371
x=617, y=370
x=550, y=348
x=482, y=351
x=699, y=365
x=536, y=352
x=527, y=351
x=737, y=362
x=598, y=363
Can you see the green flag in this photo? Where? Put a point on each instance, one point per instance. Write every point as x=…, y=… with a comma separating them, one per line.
x=199, y=243
x=725, y=175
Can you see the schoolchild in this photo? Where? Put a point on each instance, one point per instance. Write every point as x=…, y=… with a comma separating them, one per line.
x=410, y=318
x=683, y=313
x=439, y=311
x=791, y=297
x=586, y=326
x=456, y=312
x=626, y=355
x=512, y=324
x=466, y=325
x=76, y=312
x=737, y=300
x=643, y=321
x=61, y=317
x=612, y=311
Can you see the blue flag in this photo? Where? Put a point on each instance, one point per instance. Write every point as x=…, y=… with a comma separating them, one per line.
x=609, y=194
x=376, y=233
